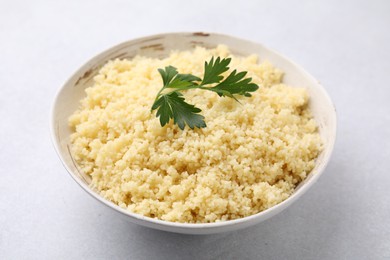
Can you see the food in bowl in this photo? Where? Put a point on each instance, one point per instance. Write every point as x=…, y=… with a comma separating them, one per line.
x=250, y=157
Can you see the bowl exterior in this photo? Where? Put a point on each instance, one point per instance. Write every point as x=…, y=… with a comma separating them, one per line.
x=160, y=46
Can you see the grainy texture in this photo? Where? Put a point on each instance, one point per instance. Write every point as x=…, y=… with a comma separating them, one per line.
x=248, y=158
x=344, y=44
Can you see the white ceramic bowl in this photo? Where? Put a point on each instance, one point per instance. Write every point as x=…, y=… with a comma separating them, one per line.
x=69, y=96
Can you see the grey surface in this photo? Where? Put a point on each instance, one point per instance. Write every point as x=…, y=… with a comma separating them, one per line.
x=345, y=44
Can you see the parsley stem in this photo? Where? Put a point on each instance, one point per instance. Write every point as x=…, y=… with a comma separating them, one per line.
x=171, y=104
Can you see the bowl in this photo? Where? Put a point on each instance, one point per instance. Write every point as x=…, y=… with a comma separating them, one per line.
x=68, y=98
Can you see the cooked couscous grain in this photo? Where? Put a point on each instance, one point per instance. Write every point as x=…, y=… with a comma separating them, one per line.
x=250, y=156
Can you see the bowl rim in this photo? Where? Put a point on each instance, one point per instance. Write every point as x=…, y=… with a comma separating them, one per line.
x=194, y=226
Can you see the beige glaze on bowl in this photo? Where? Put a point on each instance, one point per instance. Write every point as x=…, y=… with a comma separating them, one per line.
x=69, y=96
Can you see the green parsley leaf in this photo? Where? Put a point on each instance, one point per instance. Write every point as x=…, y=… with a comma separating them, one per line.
x=188, y=77
x=172, y=105
x=168, y=74
x=172, y=79
x=213, y=70
x=235, y=84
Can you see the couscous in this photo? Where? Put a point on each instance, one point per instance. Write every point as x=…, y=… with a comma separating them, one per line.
x=250, y=157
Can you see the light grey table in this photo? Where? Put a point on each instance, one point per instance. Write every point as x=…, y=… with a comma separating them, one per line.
x=345, y=44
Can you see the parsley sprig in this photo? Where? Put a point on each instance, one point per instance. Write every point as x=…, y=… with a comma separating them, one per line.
x=172, y=105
